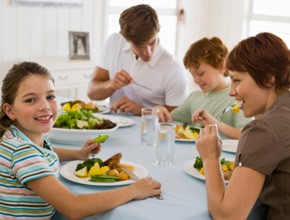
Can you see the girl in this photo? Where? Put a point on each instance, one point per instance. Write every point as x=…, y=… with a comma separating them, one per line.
x=260, y=75
x=29, y=187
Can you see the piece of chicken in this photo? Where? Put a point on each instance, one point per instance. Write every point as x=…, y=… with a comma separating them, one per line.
x=113, y=162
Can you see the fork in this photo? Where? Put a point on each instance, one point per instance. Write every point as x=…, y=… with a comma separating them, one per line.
x=224, y=111
x=145, y=87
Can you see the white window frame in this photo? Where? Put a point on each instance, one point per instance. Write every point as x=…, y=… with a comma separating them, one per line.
x=266, y=18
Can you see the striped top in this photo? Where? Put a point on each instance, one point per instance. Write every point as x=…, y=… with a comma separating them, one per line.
x=21, y=160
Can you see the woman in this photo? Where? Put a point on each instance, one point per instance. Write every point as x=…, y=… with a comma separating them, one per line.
x=260, y=76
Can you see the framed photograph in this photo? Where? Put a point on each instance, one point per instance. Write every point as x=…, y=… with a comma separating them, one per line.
x=79, y=45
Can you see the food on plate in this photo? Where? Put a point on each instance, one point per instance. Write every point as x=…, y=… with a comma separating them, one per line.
x=186, y=132
x=227, y=167
x=82, y=119
x=113, y=161
x=235, y=108
x=78, y=104
x=107, y=171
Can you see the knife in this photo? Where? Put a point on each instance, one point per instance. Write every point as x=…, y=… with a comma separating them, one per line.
x=133, y=176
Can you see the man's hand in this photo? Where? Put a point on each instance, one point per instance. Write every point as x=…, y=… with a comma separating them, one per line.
x=125, y=104
x=163, y=114
x=121, y=79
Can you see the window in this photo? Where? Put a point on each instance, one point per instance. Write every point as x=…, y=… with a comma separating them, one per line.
x=270, y=16
x=166, y=11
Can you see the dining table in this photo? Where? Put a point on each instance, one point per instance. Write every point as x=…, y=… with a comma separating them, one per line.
x=184, y=194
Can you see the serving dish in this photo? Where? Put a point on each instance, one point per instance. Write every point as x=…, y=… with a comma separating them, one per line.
x=76, y=136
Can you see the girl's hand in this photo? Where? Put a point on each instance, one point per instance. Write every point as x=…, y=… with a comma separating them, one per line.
x=89, y=147
x=203, y=117
x=145, y=188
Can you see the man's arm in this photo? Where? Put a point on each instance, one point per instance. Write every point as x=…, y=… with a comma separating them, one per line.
x=100, y=85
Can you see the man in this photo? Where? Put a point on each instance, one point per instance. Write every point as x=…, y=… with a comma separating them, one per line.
x=135, y=71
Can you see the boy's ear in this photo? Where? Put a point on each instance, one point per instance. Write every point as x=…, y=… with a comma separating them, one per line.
x=9, y=111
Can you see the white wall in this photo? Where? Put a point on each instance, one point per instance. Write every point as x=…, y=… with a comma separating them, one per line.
x=36, y=32
x=30, y=32
x=208, y=18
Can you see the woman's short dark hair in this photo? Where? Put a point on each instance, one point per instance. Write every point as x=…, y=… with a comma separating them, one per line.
x=262, y=56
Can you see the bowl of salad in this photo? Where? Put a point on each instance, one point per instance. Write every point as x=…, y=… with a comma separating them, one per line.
x=78, y=125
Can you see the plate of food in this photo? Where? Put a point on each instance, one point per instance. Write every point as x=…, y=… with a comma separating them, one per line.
x=76, y=126
x=230, y=145
x=195, y=168
x=97, y=172
x=188, y=168
x=186, y=133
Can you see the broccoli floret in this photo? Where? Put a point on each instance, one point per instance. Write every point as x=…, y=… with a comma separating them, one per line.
x=99, y=161
x=79, y=166
x=198, y=163
x=89, y=163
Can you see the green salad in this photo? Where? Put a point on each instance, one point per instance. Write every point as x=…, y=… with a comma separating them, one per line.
x=82, y=119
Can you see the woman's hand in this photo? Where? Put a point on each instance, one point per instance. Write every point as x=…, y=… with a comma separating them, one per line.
x=89, y=147
x=203, y=117
x=209, y=143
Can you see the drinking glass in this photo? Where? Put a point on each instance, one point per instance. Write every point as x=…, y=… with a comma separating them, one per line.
x=165, y=143
x=149, y=121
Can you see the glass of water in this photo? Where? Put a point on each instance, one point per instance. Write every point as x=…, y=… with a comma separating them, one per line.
x=165, y=143
x=149, y=121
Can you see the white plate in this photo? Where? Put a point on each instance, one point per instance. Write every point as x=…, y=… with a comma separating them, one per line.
x=76, y=136
x=124, y=122
x=67, y=171
x=188, y=168
x=230, y=145
x=120, y=121
x=103, y=109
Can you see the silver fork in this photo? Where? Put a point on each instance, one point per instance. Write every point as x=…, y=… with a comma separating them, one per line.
x=145, y=87
x=224, y=111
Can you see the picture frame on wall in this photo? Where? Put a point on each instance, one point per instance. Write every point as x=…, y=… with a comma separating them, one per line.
x=79, y=45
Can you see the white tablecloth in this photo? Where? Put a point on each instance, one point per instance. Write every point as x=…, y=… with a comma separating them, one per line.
x=184, y=195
